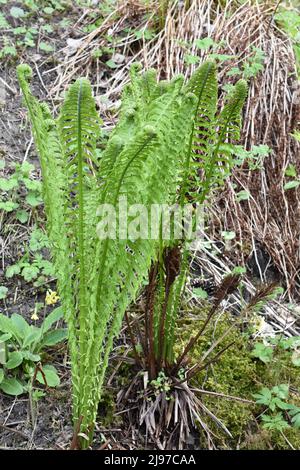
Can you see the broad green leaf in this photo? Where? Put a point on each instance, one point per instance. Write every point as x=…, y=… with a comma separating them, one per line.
x=239, y=270
x=228, y=235
x=14, y=360
x=5, y=337
x=296, y=358
x=204, y=43
x=9, y=206
x=281, y=404
x=47, y=268
x=22, y=216
x=3, y=292
x=25, y=168
x=296, y=420
x=295, y=415
x=7, y=184
x=47, y=28
x=274, y=422
x=48, y=10
x=191, y=59
x=234, y=71
x=33, y=199
x=201, y=293
x=34, y=335
x=38, y=240
x=243, y=195
x=1, y=375
x=17, y=12
x=282, y=391
x=221, y=57
x=144, y=33
x=291, y=171
x=30, y=272
x=29, y=356
x=53, y=337
x=46, y=47
x=111, y=64
x=52, y=318
x=262, y=352
x=50, y=375
x=6, y=326
x=291, y=185
x=12, y=386
x=20, y=324
x=12, y=270
x=3, y=25
x=264, y=397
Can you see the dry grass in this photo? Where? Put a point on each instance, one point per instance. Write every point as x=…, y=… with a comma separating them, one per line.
x=270, y=218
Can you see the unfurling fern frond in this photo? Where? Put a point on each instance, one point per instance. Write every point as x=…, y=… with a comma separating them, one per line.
x=206, y=165
x=206, y=162
x=79, y=128
x=203, y=84
x=228, y=130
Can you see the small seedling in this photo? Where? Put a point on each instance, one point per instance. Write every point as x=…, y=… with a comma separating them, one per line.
x=275, y=399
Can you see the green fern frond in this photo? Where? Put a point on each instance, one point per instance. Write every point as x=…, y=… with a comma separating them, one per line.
x=228, y=125
x=203, y=84
x=50, y=150
x=79, y=128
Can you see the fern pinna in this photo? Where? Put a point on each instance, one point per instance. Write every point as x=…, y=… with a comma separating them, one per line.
x=99, y=278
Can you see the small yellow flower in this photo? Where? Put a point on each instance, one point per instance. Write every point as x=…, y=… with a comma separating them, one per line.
x=51, y=297
x=34, y=316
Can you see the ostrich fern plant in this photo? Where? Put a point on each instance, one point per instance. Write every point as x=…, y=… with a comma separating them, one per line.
x=143, y=160
x=167, y=135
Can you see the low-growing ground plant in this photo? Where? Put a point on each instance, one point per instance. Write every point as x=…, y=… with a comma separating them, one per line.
x=239, y=374
x=33, y=266
x=288, y=20
x=266, y=351
x=22, y=26
x=20, y=193
x=279, y=413
x=21, y=351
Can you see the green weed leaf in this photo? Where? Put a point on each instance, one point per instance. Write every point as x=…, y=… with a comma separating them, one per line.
x=14, y=360
x=51, y=376
x=12, y=386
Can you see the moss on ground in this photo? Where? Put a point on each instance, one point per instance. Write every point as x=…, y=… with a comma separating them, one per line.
x=237, y=373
